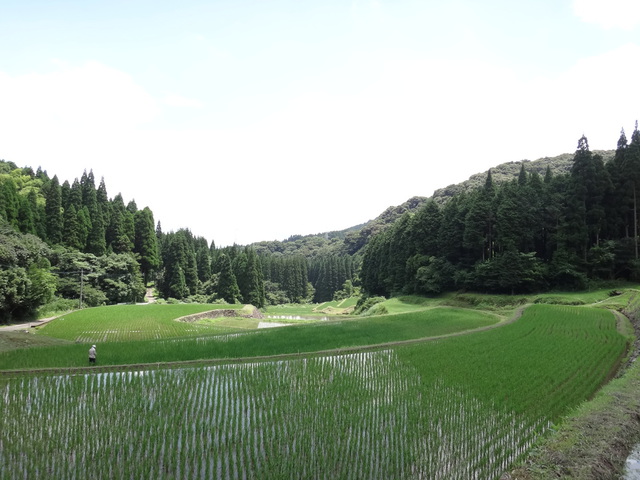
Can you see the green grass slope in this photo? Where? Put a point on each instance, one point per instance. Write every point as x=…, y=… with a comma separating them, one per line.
x=305, y=338
x=129, y=322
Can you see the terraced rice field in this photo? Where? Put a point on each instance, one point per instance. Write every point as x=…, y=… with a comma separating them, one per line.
x=129, y=322
x=459, y=407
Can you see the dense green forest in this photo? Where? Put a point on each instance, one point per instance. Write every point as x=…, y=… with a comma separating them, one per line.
x=523, y=226
x=70, y=245
x=532, y=233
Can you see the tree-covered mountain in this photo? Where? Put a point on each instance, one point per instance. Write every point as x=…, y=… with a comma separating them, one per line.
x=530, y=233
x=522, y=226
x=505, y=172
x=351, y=241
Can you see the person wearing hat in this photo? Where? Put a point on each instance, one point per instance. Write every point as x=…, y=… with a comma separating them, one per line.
x=92, y=354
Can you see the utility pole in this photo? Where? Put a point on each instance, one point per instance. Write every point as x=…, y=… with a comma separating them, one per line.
x=81, y=285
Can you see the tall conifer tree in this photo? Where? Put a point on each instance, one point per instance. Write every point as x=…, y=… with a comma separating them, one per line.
x=53, y=212
x=72, y=231
x=146, y=242
x=480, y=221
x=631, y=170
x=227, y=284
x=96, y=241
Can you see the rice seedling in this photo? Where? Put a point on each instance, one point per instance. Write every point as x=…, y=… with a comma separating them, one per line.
x=289, y=340
x=463, y=407
x=129, y=322
x=351, y=416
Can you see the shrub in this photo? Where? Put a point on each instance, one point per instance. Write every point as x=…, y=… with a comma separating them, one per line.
x=559, y=300
x=57, y=306
x=364, y=304
x=199, y=298
x=377, y=309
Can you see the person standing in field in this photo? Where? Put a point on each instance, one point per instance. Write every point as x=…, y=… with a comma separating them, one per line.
x=92, y=354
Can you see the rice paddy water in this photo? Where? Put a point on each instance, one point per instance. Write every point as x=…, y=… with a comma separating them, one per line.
x=461, y=408
x=351, y=416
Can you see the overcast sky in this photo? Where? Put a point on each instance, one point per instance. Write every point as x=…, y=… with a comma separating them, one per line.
x=249, y=120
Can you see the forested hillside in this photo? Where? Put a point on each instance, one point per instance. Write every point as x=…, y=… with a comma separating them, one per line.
x=353, y=240
x=529, y=234
x=505, y=172
x=525, y=226
x=70, y=245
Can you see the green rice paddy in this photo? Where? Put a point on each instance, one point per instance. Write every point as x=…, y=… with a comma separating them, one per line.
x=129, y=322
x=352, y=402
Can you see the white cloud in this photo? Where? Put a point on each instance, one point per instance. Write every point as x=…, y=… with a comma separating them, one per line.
x=594, y=97
x=323, y=161
x=74, y=113
x=174, y=100
x=608, y=14
x=327, y=161
x=90, y=96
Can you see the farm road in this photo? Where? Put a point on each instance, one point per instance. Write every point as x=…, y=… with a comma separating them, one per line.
x=25, y=326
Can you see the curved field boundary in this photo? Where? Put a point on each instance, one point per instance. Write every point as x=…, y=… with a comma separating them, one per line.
x=194, y=317
x=259, y=358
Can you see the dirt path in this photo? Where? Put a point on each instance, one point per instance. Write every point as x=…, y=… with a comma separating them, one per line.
x=26, y=326
x=149, y=297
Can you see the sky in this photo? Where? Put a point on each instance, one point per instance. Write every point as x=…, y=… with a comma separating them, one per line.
x=252, y=120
